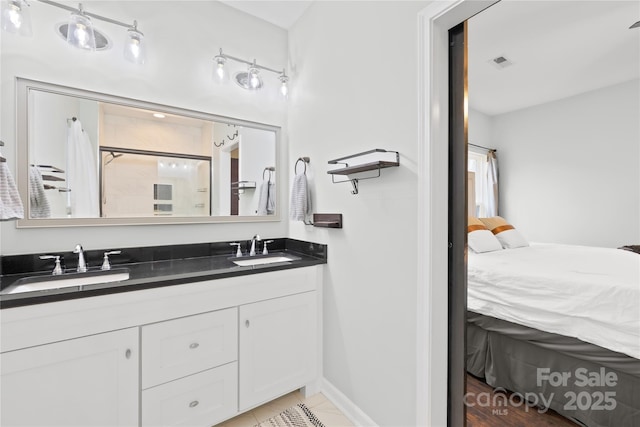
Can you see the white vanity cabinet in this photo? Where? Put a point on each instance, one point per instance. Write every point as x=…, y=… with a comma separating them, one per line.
x=278, y=347
x=89, y=381
x=191, y=354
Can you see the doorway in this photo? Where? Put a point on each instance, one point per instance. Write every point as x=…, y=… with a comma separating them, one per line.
x=432, y=317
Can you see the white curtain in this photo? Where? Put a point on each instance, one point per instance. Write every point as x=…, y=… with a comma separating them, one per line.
x=82, y=175
x=492, y=184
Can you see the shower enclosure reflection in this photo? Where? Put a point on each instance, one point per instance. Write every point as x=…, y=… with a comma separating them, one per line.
x=110, y=160
x=180, y=185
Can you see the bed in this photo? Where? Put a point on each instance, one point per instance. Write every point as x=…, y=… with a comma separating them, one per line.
x=560, y=325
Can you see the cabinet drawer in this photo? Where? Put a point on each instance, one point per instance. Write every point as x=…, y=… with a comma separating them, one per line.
x=180, y=347
x=203, y=399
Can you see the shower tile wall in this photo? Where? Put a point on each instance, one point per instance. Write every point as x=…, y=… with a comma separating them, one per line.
x=128, y=181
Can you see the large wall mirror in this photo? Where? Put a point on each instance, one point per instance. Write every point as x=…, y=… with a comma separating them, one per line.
x=87, y=158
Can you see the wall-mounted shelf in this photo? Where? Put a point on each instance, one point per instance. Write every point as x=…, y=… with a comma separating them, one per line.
x=327, y=220
x=243, y=185
x=372, y=160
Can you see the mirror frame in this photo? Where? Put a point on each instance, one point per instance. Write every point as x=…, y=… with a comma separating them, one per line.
x=24, y=86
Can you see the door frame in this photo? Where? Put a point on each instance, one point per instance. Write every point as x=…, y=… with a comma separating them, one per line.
x=434, y=23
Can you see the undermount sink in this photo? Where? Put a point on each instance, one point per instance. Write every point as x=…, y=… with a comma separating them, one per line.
x=41, y=283
x=264, y=259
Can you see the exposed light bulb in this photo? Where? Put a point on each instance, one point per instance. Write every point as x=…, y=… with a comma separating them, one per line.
x=220, y=70
x=254, y=81
x=81, y=34
x=134, y=46
x=80, y=31
x=15, y=17
x=284, y=86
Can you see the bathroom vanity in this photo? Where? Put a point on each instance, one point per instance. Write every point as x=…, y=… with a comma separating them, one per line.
x=179, y=347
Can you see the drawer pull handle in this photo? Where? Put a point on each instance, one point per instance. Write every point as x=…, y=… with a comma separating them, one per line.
x=247, y=323
x=127, y=354
x=194, y=404
x=194, y=345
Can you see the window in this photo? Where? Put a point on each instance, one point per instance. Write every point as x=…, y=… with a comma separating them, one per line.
x=478, y=165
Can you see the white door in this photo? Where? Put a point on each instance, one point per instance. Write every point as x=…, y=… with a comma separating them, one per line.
x=90, y=381
x=278, y=347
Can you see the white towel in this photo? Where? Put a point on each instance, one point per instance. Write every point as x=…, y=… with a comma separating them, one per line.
x=10, y=203
x=300, y=199
x=38, y=203
x=267, y=198
x=82, y=174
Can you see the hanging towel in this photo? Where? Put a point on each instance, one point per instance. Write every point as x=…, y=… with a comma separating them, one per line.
x=82, y=173
x=10, y=203
x=300, y=198
x=38, y=203
x=267, y=198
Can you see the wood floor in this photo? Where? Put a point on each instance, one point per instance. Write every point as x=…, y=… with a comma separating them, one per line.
x=482, y=413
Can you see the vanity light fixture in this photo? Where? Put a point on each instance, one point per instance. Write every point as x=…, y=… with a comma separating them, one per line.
x=79, y=32
x=16, y=18
x=249, y=79
x=134, y=46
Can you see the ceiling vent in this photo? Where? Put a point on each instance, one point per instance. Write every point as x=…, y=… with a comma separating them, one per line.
x=501, y=62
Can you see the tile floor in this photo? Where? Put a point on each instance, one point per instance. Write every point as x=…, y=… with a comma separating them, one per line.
x=326, y=412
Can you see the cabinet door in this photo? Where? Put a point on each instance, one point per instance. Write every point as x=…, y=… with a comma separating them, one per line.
x=90, y=381
x=278, y=347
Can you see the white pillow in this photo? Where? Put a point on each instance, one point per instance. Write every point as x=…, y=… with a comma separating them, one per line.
x=483, y=241
x=506, y=233
x=512, y=239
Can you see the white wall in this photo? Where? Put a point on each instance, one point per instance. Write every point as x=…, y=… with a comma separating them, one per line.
x=355, y=88
x=183, y=37
x=479, y=125
x=570, y=169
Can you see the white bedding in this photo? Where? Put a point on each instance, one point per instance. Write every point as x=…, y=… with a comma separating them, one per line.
x=589, y=293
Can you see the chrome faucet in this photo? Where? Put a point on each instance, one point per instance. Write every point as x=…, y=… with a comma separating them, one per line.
x=82, y=265
x=252, y=252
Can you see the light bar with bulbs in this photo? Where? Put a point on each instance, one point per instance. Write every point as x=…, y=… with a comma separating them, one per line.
x=249, y=79
x=79, y=32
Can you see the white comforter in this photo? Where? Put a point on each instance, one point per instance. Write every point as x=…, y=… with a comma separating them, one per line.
x=589, y=293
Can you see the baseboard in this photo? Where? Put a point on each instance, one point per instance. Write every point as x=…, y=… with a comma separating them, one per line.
x=346, y=406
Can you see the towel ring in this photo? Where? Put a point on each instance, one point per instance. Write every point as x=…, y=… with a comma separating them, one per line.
x=270, y=169
x=304, y=160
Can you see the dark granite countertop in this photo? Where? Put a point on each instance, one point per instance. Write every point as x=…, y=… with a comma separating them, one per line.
x=151, y=267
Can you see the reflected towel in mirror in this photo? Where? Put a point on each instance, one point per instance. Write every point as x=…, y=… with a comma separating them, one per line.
x=82, y=174
x=267, y=199
x=10, y=203
x=38, y=202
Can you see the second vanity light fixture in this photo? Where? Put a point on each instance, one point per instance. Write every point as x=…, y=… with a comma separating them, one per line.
x=79, y=31
x=249, y=79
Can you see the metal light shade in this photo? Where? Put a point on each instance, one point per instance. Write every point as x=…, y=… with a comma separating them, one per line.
x=16, y=18
x=134, y=47
x=80, y=32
